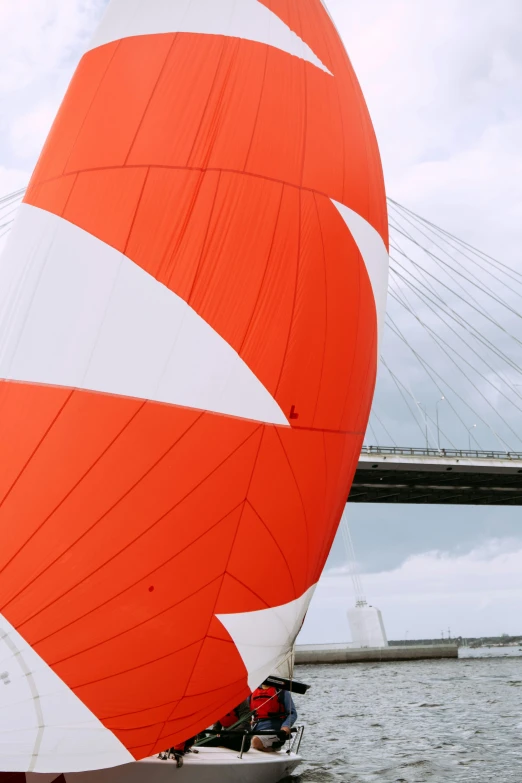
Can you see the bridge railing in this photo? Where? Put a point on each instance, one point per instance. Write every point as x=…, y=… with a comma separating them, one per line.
x=406, y=451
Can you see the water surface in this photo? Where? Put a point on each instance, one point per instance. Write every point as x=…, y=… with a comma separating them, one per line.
x=449, y=720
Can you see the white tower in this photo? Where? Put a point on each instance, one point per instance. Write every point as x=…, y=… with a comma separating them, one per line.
x=366, y=625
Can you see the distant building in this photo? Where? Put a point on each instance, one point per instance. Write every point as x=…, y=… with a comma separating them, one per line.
x=366, y=626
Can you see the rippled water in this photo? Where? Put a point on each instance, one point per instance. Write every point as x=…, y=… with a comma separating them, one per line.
x=450, y=720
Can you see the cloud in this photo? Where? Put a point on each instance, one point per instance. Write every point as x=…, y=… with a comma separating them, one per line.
x=41, y=37
x=12, y=179
x=40, y=43
x=474, y=594
x=483, y=178
x=27, y=132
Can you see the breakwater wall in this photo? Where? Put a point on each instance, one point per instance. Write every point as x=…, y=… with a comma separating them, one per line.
x=338, y=653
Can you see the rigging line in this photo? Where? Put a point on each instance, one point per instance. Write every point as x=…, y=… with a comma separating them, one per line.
x=474, y=260
x=468, y=379
x=455, y=282
x=439, y=261
x=498, y=265
x=373, y=433
x=423, y=413
x=244, y=719
x=428, y=285
x=399, y=383
x=14, y=196
x=416, y=274
x=456, y=239
x=349, y=560
x=396, y=382
x=427, y=366
x=382, y=424
x=455, y=316
x=352, y=561
x=407, y=306
x=496, y=372
x=502, y=379
x=420, y=277
x=9, y=209
x=438, y=340
x=15, y=192
x=428, y=370
x=4, y=233
x=395, y=246
x=450, y=267
x=5, y=214
x=483, y=314
x=450, y=275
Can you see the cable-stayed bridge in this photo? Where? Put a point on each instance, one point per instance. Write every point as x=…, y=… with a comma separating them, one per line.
x=446, y=422
x=445, y=476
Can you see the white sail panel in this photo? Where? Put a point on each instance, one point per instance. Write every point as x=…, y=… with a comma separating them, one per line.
x=247, y=19
x=44, y=727
x=375, y=257
x=266, y=638
x=75, y=312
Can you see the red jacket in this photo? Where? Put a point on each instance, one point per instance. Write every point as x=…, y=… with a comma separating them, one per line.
x=267, y=704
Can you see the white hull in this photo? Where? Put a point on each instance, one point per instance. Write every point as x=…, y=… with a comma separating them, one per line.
x=210, y=765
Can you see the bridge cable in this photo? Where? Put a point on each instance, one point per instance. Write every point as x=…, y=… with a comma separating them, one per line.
x=483, y=314
x=462, y=322
x=453, y=315
x=400, y=229
x=437, y=339
x=426, y=365
x=461, y=242
x=384, y=428
x=399, y=384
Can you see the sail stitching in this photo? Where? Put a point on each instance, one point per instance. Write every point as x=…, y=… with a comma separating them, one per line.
x=147, y=530
x=226, y=566
x=28, y=674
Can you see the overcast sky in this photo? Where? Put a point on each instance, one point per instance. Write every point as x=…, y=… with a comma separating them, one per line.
x=443, y=80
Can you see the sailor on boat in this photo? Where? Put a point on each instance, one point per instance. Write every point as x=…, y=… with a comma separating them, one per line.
x=274, y=710
x=236, y=721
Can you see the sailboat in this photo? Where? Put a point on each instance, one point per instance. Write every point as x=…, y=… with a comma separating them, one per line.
x=190, y=306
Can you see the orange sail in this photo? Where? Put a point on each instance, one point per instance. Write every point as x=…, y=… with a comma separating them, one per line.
x=190, y=302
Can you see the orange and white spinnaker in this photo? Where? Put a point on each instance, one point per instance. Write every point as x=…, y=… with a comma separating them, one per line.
x=189, y=307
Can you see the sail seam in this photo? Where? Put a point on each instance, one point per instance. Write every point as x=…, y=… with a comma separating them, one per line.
x=319, y=385
x=305, y=516
x=189, y=678
x=258, y=515
x=67, y=496
x=28, y=461
x=131, y=586
x=148, y=529
x=114, y=505
x=215, y=169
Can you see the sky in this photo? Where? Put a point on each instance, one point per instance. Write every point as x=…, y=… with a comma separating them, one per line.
x=443, y=81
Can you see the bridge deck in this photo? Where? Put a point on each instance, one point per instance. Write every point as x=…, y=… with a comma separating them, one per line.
x=403, y=475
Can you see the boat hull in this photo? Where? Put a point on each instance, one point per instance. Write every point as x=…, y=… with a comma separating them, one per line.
x=209, y=765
